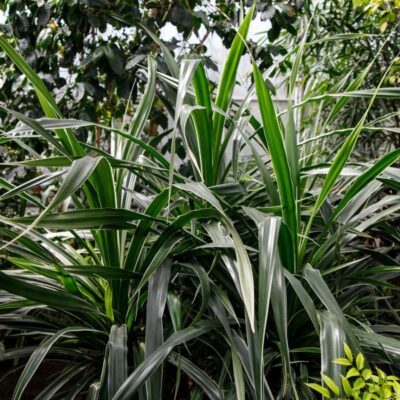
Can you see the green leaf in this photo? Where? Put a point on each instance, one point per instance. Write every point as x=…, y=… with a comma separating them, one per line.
x=117, y=363
x=238, y=376
x=227, y=83
x=53, y=298
x=36, y=126
x=352, y=372
x=27, y=197
x=358, y=384
x=274, y=138
x=342, y=361
x=154, y=337
x=86, y=219
x=366, y=374
x=331, y=384
x=360, y=361
x=348, y=352
x=203, y=123
x=346, y=386
x=320, y=389
x=143, y=110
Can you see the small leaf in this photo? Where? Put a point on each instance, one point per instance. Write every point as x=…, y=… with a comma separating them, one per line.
x=352, y=372
x=381, y=374
x=367, y=396
x=360, y=361
x=331, y=384
x=359, y=384
x=366, y=374
x=320, y=389
x=387, y=393
x=346, y=386
x=348, y=352
x=342, y=361
x=108, y=303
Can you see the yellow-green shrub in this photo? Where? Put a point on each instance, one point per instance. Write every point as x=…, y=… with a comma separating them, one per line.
x=359, y=382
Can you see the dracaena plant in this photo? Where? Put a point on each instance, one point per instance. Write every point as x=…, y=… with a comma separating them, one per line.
x=237, y=279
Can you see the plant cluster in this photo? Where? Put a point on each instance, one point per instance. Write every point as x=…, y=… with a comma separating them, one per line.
x=235, y=273
x=386, y=11
x=359, y=382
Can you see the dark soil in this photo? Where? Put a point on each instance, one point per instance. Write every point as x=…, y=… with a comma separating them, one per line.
x=43, y=377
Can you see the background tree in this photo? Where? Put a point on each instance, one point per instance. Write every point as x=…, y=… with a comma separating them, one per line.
x=87, y=51
x=344, y=39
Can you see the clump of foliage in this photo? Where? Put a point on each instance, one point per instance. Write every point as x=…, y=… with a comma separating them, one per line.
x=335, y=31
x=238, y=276
x=387, y=12
x=359, y=382
x=88, y=51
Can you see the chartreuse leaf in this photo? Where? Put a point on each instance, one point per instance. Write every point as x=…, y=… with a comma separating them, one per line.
x=366, y=374
x=360, y=361
x=320, y=389
x=342, y=361
x=358, y=384
x=331, y=384
x=348, y=352
x=346, y=385
x=352, y=372
x=108, y=302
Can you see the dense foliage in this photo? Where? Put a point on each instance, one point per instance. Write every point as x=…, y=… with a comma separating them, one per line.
x=339, y=31
x=88, y=51
x=240, y=275
x=359, y=382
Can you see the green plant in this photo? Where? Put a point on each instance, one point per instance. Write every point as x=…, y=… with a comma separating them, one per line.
x=235, y=277
x=386, y=11
x=359, y=382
